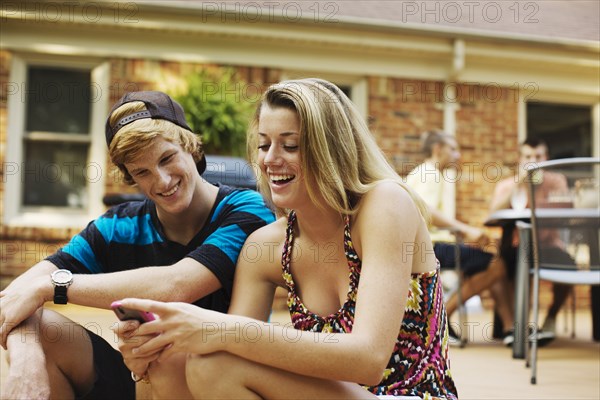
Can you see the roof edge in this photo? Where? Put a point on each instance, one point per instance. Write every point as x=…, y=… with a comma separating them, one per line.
x=383, y=25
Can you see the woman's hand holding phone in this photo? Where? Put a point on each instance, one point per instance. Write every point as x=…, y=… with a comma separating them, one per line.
x=129, y=339
x=128, y=314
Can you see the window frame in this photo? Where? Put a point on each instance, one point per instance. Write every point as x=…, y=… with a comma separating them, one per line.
x=357, y=84
x=567, y=99
x=15, y=213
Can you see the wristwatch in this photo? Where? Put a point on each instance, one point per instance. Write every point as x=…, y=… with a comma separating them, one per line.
x=61, y=279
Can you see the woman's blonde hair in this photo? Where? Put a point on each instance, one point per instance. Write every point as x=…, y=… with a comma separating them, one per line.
x=339, y=156
x=131, y=141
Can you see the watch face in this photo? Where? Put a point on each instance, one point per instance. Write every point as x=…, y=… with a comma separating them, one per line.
x=62, y=276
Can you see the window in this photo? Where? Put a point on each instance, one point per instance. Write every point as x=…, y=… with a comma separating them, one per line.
x=56, y=154
x=57, y=137
x=566, y=128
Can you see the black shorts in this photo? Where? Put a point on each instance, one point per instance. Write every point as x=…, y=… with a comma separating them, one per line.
x=113, y=379
x=472, y=259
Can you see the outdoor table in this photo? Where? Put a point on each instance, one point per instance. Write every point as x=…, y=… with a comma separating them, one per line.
x=585, y=218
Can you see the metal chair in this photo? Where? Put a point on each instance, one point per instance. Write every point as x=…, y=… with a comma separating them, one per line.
x=575, y=217
x=462, y=311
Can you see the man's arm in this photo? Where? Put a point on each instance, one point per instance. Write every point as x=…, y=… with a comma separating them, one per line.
x=503, y=193
x=186, y=281
x=469, y=233
x=504, y=190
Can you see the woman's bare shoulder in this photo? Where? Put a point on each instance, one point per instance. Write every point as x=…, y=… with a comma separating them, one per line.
x=274, y=231
x=265, y=245
x=388, y=195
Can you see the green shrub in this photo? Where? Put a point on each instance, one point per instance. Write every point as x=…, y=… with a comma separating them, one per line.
x=216, y=108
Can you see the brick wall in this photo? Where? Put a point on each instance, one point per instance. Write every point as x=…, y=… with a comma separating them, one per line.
x=486, y=130
x=487, y=134
x=399, y=111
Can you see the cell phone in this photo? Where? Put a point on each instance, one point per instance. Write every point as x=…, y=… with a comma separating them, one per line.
x=127, y=314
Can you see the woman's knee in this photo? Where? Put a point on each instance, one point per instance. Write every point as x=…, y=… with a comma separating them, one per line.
x=168, y=378
x=210, y=374
x=206, y=368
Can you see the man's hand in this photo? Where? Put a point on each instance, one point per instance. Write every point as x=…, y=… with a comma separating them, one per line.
x=474, y=236
x=19, y=301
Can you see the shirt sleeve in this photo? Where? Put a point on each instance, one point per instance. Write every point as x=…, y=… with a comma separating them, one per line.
x=80, y=254
x=236, y=217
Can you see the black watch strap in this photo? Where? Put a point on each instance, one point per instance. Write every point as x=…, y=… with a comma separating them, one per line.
x=60, y=295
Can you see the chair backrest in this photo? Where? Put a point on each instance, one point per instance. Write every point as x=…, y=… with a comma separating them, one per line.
x=564, y=198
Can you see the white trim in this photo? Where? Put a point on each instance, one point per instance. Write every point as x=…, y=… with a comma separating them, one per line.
x=521, y=120
x=359, y=85
x=15, y=107
x=98, y=151
x=450, y=107
x=49, y=217
x=596, y=130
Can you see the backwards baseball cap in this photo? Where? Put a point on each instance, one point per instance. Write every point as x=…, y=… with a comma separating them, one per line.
x=159, y=105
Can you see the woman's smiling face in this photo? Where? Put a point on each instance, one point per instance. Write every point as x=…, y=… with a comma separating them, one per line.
x=279, y=155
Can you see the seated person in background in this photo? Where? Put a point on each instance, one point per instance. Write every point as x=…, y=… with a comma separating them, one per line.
x=432, y=181
x=512, y=193
x=344, y=247
x=180, y=244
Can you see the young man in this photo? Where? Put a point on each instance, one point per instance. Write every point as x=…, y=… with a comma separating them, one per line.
x=431, y=180
x=511, y=193
x=180, y=244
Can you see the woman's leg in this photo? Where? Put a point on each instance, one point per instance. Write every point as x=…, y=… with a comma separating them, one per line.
x=167, y=379
x=223, y=375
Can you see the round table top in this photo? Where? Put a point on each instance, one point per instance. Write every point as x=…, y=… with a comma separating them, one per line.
x=550, y=216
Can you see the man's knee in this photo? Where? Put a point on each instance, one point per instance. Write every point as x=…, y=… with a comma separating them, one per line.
x=63, y=338
x=67, y=351
x=497, y=268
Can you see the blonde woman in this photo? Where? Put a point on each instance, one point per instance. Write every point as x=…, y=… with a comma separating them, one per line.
x=352, y=248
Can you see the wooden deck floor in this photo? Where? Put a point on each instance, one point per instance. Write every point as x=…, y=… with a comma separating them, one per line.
x=484, y=369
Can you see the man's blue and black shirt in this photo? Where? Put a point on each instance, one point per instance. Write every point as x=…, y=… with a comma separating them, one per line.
x=130, y=236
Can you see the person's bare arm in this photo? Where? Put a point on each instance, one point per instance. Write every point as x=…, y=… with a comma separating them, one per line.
x=502, y=194
x=185, y=281
x=505, y=189
x=469, y=233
